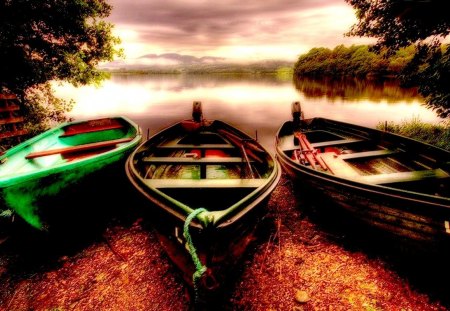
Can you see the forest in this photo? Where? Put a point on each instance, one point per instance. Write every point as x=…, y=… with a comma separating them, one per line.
x=356, y=60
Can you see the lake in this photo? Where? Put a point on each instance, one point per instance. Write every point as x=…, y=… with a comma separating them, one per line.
x=257, y=104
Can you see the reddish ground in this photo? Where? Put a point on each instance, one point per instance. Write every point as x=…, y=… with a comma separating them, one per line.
x=301, y=263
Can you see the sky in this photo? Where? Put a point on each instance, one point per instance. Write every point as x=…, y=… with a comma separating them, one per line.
x=233, y=29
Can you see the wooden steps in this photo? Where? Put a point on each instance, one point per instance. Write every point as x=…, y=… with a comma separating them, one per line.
x=11, y=122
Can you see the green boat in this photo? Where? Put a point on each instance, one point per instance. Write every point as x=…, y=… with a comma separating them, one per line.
x=38, y=171
x=206, y=184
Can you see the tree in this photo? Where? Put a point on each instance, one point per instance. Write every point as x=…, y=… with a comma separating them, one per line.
x=43, y=41
x=400, y=23
x=355, y=61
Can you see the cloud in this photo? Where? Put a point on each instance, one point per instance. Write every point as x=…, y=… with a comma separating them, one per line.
x=199, y=26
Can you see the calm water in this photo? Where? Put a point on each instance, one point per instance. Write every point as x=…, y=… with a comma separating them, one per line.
x=254, y=104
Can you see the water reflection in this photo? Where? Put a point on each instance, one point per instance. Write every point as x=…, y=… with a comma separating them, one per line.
x=253, y=103
x=354, y=89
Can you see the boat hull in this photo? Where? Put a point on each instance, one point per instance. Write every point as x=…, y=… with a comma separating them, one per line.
x=406, y=214
x=221, y=250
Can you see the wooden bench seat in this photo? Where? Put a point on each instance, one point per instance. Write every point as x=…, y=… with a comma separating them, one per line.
x=338, y=166
x=202, y=146
x=400, y=177
x=368, y=154
x=205, y=183
x=336, y=142
x=194, y=161
x=287, y=144
x=79, y=148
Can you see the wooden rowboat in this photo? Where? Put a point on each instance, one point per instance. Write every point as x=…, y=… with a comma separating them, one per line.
x=388, y=181
x=207, y=183
x=42, y=168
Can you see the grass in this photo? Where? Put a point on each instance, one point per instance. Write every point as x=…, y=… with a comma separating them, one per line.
x=433, y=134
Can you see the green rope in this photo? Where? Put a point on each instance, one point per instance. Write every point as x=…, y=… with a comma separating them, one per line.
x=199, y=268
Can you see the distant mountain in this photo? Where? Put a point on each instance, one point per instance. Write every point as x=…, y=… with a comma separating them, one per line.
x=178, y=63
x=183, y=59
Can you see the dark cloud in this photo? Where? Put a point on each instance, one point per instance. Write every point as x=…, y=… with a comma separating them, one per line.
x=197, y=11
x=201, y=24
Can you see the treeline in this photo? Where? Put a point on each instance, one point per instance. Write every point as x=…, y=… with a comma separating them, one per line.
x=356, y=60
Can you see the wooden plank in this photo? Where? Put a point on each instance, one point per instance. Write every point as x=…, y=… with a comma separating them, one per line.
x=368, y=154
x=203, y=146
x=86, y=128
x=10, y=107
x=336, y=142
x=193, y=161
x=7, y=96
x=78, y=148
x=11, y=120
x=338, y=166
x=205, y=183
x=389, y=178
x=13, y=133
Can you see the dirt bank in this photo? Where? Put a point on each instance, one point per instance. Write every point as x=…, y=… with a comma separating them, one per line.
x=302, y=262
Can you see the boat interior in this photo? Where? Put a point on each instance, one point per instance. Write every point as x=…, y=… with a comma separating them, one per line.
x=68, y=143
x=203, y=169
x=377, y=161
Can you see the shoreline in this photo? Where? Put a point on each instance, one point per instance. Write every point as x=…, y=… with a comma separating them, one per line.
x=304, y=249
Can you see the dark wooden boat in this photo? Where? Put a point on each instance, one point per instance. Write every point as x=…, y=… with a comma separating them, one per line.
x=388, y=181
x=59, y=161
x=210, y=170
